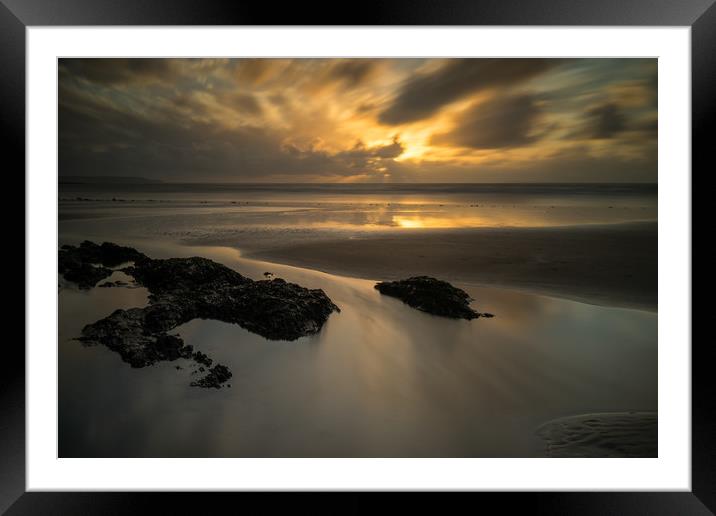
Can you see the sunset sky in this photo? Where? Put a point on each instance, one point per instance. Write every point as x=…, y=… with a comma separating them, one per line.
x=370, y=120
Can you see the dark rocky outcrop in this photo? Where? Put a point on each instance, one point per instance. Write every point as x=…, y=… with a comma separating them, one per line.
x=89, y=263
x=106, y=254
x=214, y=378
x=123, y=332
x=432, y=296
x=202, y=358
x=85, y=275
x=182, y=289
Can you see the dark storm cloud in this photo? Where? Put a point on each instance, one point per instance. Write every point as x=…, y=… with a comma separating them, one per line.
x=120, y=143
x=500, y=122
x=98, y=138
x=360, y=159
x=360, y=151
x=299, y=119
x=605, y=121
x=316, y=74
x=352, y=72
x=393, y=150
x=423, y=95
x=120, y=71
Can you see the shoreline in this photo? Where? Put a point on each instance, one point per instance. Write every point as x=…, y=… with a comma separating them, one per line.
x=601, y=265
x=513, y=366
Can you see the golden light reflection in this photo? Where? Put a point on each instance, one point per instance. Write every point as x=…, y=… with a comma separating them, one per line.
x=441, y=222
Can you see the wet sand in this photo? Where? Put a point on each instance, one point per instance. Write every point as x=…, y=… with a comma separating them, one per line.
x=611, y=265
x=383, y=379
x=380, y=380
x=616, y=434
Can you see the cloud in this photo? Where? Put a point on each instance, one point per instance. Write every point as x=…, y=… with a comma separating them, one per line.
x=572, y=165
x=359, y=159
x=352, y=72
x=500, y=122
x=633, y=94
x=121, y=71
x=615, y=124
x=318, y=119
x=393, y=150
x=649, y=128
x=244, y=102
x=99, y=138
x=423, y=95
x=278, y=99
x=254, y=71
x=359, y=150
x=604, y=121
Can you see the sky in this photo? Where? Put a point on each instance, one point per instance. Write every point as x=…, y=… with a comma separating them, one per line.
x=359, y=120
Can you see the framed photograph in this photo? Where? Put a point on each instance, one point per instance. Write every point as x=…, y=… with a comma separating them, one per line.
x=424, y=249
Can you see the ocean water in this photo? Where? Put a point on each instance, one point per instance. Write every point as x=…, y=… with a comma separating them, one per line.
x=380, y=379
x=256, y=215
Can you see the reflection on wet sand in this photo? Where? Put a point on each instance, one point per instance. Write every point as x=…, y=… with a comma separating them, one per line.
x=365, y=216
x=381, y=379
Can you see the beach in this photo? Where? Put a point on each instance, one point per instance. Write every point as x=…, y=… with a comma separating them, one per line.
x=358, y=257
x=574, y=333
x=594, y=244
x=611, y=266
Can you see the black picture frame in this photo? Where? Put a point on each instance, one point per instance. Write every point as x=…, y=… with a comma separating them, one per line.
x=17, y=15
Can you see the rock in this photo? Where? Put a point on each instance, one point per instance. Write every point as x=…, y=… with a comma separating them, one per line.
x=182, y=289
x=89, y=263
x=186, y=288
x=106, y=254
x=201, y=358
x=86, y=275
x=123, y=332
x=214, y=378
x=432, y=296
x=181, y=274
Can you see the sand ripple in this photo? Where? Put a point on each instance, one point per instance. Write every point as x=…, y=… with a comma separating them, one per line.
x=613, y=434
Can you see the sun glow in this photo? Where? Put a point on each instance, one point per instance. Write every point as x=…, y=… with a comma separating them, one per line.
x=353, y=120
